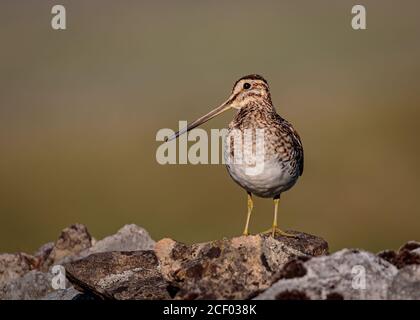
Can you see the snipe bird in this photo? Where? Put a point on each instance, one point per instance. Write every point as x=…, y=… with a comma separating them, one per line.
x=282, y=152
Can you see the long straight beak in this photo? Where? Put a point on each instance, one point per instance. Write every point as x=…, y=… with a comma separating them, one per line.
x=219, y=110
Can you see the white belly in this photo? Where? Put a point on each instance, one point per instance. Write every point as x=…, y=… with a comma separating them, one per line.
x=267, y=181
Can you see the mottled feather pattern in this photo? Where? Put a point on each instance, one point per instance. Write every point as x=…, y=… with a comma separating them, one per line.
x=281, y=141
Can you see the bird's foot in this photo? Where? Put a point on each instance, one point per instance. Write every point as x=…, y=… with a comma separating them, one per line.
x=274, y=231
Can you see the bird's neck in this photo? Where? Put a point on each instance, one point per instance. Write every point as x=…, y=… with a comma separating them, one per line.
x=261, y=109
x=262, y=106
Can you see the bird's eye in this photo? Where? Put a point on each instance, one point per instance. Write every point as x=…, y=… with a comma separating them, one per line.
x=247, y=85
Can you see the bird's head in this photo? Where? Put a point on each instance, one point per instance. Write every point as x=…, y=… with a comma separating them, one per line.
x=250, y=89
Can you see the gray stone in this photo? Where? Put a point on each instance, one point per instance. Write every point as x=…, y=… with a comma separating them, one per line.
x=406, y=284
x=129, y=238
x=13, y=266
x=236, y=268
x=62, y=294
x=337, y=277
x=119, y=275
x=124, y=266
x=33, y=285
x=74, y=242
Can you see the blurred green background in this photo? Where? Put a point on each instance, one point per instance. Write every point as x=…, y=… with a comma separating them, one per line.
x=79, y=111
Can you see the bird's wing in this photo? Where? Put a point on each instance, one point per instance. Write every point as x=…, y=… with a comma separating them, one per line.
x=300, y=155
x=297, y=143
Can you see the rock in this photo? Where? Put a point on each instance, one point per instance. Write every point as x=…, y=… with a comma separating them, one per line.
x=406, y=284
x=407, y=255
x=70, y=243
x=44, y=252
x=129, y=238
x=237, y=268
x=24, y=276
x=338, y=276
x=119, y=275
x=33, y=285
x=13, y=266
x=75, y=242
x=229, y=268
x=410, y=246
x=124, y=266
x=62, y=294
x=416, y=251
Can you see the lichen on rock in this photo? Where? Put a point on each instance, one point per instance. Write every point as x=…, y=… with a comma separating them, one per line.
x=236, y=268
x=130, y=265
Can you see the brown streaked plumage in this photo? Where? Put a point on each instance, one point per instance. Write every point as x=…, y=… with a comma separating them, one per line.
x=273, y=160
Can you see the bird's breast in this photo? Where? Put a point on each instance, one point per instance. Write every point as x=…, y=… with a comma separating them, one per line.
x=255, y=166
x=267, y=179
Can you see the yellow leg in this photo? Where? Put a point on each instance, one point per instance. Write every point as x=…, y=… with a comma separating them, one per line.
x=274, y=229
x=248, y=217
